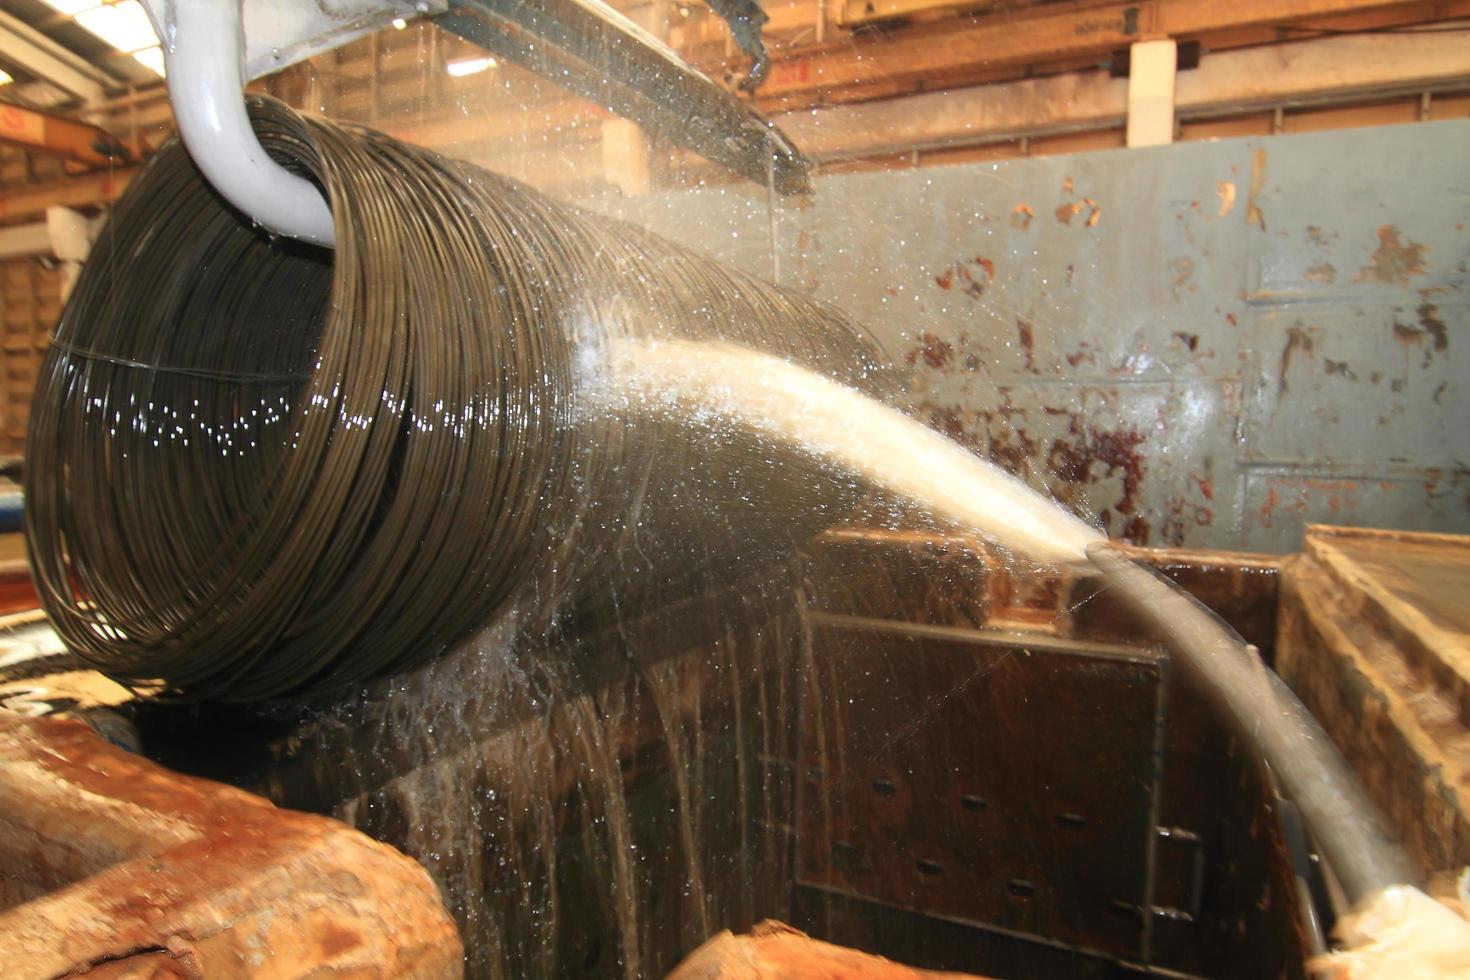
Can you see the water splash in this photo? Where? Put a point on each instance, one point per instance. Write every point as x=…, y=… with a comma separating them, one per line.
x=715, y=383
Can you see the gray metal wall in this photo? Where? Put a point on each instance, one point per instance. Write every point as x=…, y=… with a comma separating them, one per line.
x=1206, y=344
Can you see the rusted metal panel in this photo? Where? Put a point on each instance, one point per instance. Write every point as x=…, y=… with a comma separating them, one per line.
x=1064, y=711
x=1258, y=333
x=1241, y=588
x=1031, y=810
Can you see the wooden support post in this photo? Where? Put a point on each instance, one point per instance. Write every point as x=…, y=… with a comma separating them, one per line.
x=1151, y=68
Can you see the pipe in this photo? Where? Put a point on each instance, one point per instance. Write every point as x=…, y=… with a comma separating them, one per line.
x=1344, y=822
x=203, y=44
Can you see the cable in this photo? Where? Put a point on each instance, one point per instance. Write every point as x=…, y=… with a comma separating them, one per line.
x=256, y=468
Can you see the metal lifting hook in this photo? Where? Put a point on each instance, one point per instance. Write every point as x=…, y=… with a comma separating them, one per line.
x=205, y=56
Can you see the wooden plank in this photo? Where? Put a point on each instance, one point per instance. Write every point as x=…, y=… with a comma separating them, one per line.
x=56, y=135
x=77, y=192
x=1053, y=32
x=1375, y=640
x=775, y=951
x=1236, y=81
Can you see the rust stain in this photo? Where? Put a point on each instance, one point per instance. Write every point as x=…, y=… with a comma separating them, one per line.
x=937, y=353
x=1253, y=215
x=1395, y=260
x=1082, y=353
x=1027, y=338
x=1433, y=325
x=1189, y=340
x=1179, y=516
x=999, y=437
x=1340, y=368
x=1300, y=339
x=1226, y=190
x=971, y=287
x=1075, y=461
x=1021, y=216
x=1067, y=186
x=1115, y=450
x=1323, y=272
x=1183, y=270
x=1066, y=212
x=1206, y=487
x=972, y=284
x=1410, y=337
x=1268, y=509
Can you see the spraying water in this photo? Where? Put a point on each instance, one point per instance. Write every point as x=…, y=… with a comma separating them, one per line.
x=874, y=442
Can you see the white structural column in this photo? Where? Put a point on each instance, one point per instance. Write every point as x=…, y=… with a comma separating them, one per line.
x=1151, y=68
x=70, y=234
x=627, y=159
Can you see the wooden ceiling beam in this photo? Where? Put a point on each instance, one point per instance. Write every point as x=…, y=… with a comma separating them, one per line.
x=76, y=192
x=1300, y=73
x=947, y=52
x=55, y=135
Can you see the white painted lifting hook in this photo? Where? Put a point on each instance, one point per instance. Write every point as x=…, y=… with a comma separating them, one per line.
x=204, y=53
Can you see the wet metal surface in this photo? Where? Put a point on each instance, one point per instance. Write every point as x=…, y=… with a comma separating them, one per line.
x=993, y=780
x=1034, y=770
x=906, y=750
x=1207, y=344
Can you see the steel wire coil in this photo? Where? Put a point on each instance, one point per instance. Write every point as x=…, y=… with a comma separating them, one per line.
x=257, y=468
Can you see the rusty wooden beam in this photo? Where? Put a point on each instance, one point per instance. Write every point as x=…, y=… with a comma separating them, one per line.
x=53, y=134
x=113, y=856
x=1059, y=32
x=76, y=192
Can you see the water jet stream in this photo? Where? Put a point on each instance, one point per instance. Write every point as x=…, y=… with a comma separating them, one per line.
x=803, y=410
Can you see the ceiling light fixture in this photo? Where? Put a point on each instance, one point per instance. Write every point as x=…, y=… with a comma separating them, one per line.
x=123, y=24
x=470, y=66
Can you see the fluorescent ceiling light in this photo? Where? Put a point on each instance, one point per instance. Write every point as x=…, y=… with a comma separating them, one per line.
x=123, y=25
x=469, y=66
x=151, y=58
x=399, y=23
